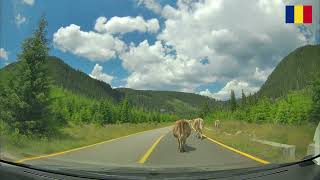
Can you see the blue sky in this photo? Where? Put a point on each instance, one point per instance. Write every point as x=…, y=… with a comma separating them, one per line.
x=62, y=13
x=192, y=46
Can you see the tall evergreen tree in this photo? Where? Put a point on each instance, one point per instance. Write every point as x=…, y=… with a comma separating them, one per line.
x=32, y=85
x=105, y=110
x=233, y=103
x=8, y=104
x=249, y=99
x=243, y=99
x=125, y=110
x=205, y=109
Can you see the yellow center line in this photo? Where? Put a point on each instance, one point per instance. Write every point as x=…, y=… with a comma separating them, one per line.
x=149, y=151
x=79, y=148
x=238, y=151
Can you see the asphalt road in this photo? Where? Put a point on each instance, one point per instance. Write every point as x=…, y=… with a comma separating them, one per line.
x=154, y=148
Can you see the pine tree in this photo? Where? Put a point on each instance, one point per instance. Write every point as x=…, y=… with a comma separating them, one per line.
x=249, y=99
x=125, y=110
x=32, y=85
x=233, y=103
x=205, y=109
x=105, y=110
x=243, y=99
x=8, y=104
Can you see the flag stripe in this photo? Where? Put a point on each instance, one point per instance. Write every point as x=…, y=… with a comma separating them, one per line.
x=307, y=14
x=289, y=14
x=298, y=14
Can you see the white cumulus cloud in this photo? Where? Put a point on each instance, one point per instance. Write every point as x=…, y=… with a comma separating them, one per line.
x=92, y=45
x=103, y=43
x=235, y=85
x=151, y=4
x=19, y=19
x=155, y=67
x=262, y=75
x=3, y=54
x=233, y=47
x=97, y=73
x=126, y=24
x=28, y=2
x=239, y=41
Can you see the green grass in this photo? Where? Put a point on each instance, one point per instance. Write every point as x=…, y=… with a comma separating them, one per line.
x=18, y=147
x=300, y=136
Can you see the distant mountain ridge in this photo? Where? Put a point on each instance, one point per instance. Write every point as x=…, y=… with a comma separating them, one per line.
x=168, y=101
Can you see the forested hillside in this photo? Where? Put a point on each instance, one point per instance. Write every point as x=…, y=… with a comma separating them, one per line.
x=73, y=80
x=70, y=107
x=187, y=104
x=291, y=94
x=79, y=82
x=294, y=72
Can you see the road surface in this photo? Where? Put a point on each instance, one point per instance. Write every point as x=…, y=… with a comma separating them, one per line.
x=154, y=148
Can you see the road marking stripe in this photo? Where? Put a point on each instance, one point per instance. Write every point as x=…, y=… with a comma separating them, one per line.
x=148, y=153
x=208, y=129
x=236, y=150
x=239, y=152
x=83, y=147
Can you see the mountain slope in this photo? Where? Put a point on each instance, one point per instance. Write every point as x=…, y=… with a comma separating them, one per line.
x=73, y=80
x=294, y=72
x=80, y=83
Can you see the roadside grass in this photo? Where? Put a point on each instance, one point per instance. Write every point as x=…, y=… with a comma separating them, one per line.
x=17, y=146
x=299, y=135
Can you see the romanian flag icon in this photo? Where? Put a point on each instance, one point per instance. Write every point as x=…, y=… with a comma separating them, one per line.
x=299, y=14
